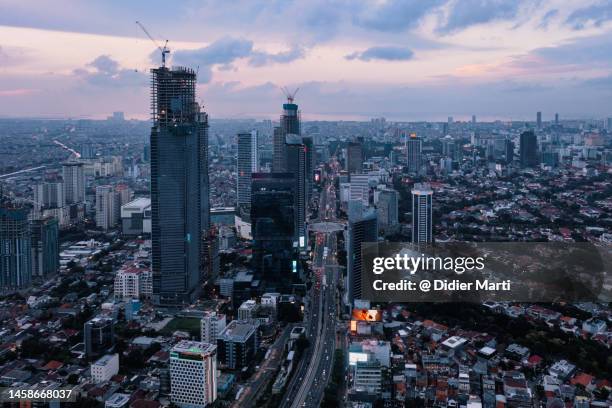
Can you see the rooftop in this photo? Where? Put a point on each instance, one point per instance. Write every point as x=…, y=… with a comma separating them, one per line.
x=237, y=331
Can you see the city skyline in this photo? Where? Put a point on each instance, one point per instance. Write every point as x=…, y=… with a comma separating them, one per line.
x=401, y=60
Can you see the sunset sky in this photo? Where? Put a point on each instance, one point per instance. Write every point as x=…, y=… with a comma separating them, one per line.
x=405, y=60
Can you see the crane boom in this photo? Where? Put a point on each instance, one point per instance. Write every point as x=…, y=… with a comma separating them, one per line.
x=165, y=50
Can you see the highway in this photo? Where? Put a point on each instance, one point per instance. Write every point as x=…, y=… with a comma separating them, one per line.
x=308, y=384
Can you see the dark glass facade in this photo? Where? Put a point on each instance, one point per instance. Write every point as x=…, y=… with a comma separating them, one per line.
x=273, y=225
x=180, y=206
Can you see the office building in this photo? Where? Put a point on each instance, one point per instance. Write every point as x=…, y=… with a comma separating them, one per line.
x=237, y=345
x=539, y=120
x=136, y=217
x=180, y=209
x=105, y=368
x=354, y=157
x=74, y=182
x=414, y=147
x=193, y=374
x=105, y=207
x=49, y=195
x=45, y=247
x=273, y=225
x=422, y=198
x=211, y=325
x=210, y=267
x=15, y=248
x=247, y=164
x=299, y=162
x=368, y=377
x=508, y=151
x=528, y=149
x=98, y=336
x=387, y=208
x=362, y=228
x=360, y=188
x=556, y=119
x=247, y=310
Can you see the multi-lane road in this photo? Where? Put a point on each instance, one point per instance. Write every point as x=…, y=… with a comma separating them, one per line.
x=308, y=383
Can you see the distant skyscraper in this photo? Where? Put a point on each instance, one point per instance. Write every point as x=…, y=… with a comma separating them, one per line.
x=414, y=147
x=387, y=208
x=87, y=151
x=354, y=157
x=74, y=182
x=289, y=125
x=247, y=164
x=179, y=185
x=556, y=118
x=105, y=207
x=422, y=198
x=473, y=119
x=273, y=225
x=539, y=120
x=360, y=188
x=528, y=149
x=193, y=374
x=299, y=162
x=15, y=248
x=362, y=228
x=509, y=151
x=609, y=125
x=49, y=195
x=45, y=247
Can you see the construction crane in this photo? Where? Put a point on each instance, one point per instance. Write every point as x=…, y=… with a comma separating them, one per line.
x=290, y=95
x=163, y=51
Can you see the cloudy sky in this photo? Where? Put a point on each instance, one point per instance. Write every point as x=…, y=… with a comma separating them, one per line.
x=351, y=59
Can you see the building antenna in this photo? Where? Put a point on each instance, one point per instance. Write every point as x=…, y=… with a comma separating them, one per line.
x=290, y=95
x=163, y=51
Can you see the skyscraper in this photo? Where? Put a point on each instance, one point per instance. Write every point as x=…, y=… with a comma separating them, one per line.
x=354, y=157
x=539, y=120
x=362, y=228
x=387, y=208
x=299, y=162
x=49, y=195
x=15, y=248
x=179, y=185
x=414, y=147
x=289, y=125
x=45, y=247
x=193, y=374
x=247, y=164
x=273, y=225
x=105, y=207
x=422, y=197
x=74, y=182
x=528, y=149
x=556, y=118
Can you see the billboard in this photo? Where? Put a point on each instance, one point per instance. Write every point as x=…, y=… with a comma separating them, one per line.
x=367, y=315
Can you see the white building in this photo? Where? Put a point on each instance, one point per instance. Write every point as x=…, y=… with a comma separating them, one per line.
x=368, y=377
x=270, y=299
x=105, y=368
x=193, y=374
x=133, y=282
x=211, y=325
x=105, y=207
x=360, y=188
x=247, y=310
x=74, y=182
x=136, y=217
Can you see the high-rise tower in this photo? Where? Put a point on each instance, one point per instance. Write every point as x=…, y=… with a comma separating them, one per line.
x=247, y=164
x=15, y=248
x=179, y=185
x=74, y=182
x=528, y=149
x=414, y=147
x=422, y=198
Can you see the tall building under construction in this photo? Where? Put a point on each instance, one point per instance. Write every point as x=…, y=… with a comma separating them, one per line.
x=179, y=185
